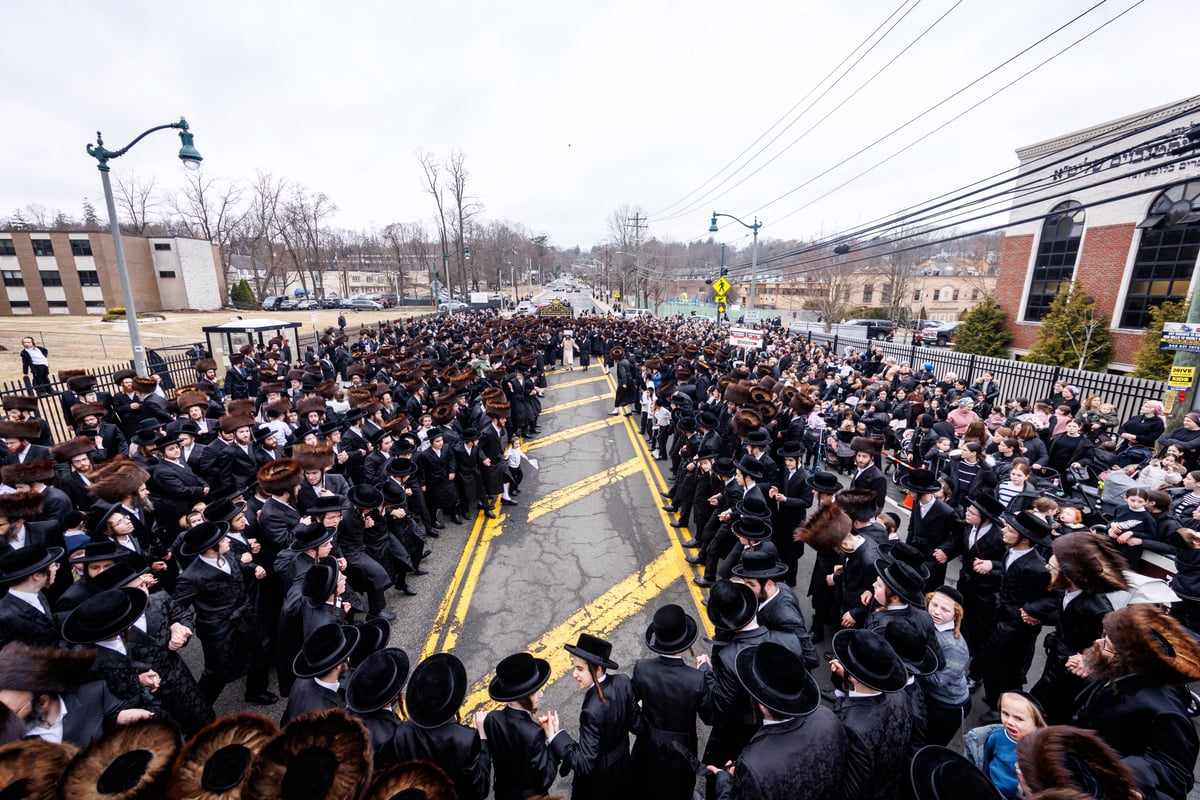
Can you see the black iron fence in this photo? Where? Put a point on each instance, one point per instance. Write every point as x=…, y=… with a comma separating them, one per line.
x=1016, y=378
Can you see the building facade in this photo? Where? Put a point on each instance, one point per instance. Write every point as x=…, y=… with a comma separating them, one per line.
x=75, y=272
x=1116, y=206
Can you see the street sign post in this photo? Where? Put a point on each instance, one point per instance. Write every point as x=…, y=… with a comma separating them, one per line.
x=1181, y=378
x=721, y=286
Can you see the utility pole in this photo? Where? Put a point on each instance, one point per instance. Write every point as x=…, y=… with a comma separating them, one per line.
x=1181, y=402
x=638, y=223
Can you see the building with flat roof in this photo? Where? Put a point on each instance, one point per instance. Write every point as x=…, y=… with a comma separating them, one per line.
x=1118, y=207
x=75, y=272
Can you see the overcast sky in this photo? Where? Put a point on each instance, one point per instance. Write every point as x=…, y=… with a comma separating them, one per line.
x=567, y=110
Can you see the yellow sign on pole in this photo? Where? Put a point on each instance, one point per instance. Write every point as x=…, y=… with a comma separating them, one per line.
x=721, y=285
x=719, y=298
x=1182, y=376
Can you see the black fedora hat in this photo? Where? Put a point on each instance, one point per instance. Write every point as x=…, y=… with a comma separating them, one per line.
x=121, y=573
x=775, y=677
x=328, y=503
x=1030, y=526
x=920, y=481
x=593, y=650
x=262, y=433
x=325, y=648
x=436, y=690
x=707, y=454
x=753, y=528
x=894, y=551
x=760, y=565
x=751, y=466
x=103, y=615
x=989, y=506
x=469, y=433
x=394, y=494
x=869, y=658
x=326, y=428
x=753, y=506
x=373, y=634
x=166, y=440
x=757, y=438
x=672, y=631
x=310, y=537
x=724, y=466
x=939, y=773
x=204, y=536
x=103, y=550
x=912, y=647
x=401, y=467
x=517, y=677
x=708, y=420
x=377, y=681
x=223, y=510
x=791, y=450
x=823, y=482
x=365, y=496
x=320, y=581
x=902, y=579
x=16, y=565
x=731, y=605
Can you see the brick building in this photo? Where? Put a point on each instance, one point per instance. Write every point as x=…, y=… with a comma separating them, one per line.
x=1116, y=206
x=75, y=272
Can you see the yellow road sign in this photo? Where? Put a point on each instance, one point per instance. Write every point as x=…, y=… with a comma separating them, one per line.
x=1182, y=376
x=721, y=285
x=719, y=298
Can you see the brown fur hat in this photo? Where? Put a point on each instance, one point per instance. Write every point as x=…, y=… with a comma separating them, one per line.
x=759, y=395
x=118, y=481
x=242, y=406
x=217, y=759
x=864, y=444
x=359, y=397
x=327, y=389
x=20, y=402
x=144, y=385
x=21, y=505
x=423, y=776
x=313, y=456
x=279, y=476
x=29, y=429
x=72, y=447
x=30, y=768
x=29, y=472
x=1149, y=642
x=802, y=403
x=324, y=749
x=81, y=410
x=859, y=504
x=1073, y=762
x=129, y=762
x=737, y=394
x=825, y=529
x=205, y=364
x=51, y=670
x=498, y=408
x=1087, y=560
x=310, y=404
x=280, y=407
x=745, y=421
x=80, y=384
x=231, y=422
x=186, y=400
x=65, y=375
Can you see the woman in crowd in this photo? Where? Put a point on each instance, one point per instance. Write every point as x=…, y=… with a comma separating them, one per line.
x=1136, y=438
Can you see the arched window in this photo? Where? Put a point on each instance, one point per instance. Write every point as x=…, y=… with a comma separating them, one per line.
x=1166, y=256
x=1055, y=263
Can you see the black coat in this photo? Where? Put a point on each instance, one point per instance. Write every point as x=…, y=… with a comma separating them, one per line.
x=455, y=748
x=733, y=718
x=90, y=709
x=381, y=726
x=522, y=761
x=21, y=622
x=803, y=757
x=878, y=729
x=308, y=696
x=226, y=621
x=783, y=615
x=178, y=693
x=872, y=478
x=672, y=695
x=600, y=759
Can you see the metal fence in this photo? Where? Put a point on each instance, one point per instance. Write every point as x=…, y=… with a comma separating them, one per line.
x=1016, y=378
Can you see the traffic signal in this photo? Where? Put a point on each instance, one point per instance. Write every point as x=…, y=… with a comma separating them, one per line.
x=724, y=271
x=467, y=252
x=720, y=308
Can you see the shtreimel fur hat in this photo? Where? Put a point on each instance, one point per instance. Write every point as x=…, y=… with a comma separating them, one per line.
x=859, y=504
x=825, y=530
x=64, y=452
x=30, y=768
x=279, y=476
x=1150, y=643
x=29, y=472
x=130, y=762
x=1087, y=560
x=49, y=670
x=313, y=456
x=216, y=761
x=319, y=756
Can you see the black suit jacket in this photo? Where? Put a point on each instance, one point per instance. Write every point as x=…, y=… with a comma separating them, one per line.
x=872, y=478
x=523, y=763
x=307, y=696
x=802, y=757
x=600, y=759
x=1025, y=581
x=20, y=622
x=455, y=748
x=783, y=615
x=878, y=729
x=90, y=709
x=672, y=695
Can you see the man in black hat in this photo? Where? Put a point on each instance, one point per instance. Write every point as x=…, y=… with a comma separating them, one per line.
x=722, y=504
x=1000, y=663
x=352, y=531
x=875, y=712
x=468, y=463
x=867, y=474
x=25, y=614
x=672, y=695
x=373, y=694
x=778, y=606
x=981, y=543
x=932, y=526
x=174, y=487
x=751, y=531
x=319, y=667
x=790, y=500
x=801, y=749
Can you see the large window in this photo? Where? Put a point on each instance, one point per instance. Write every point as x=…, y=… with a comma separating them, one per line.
x=1166, y=256
x=7, y=248
x=81, y=247
x=89, y=277
x=42, y=247
x=13, y=277
x=51, y=277
x=1057, y=252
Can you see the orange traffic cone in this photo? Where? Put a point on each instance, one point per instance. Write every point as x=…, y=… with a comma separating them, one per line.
x=908, y=500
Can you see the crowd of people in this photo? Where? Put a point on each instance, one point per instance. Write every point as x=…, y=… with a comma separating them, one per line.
x=271, y=511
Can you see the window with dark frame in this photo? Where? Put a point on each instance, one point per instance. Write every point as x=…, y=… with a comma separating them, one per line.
x=13, y=277
x=81, y=247
x=166, y=273
x=57, y=303
x=93, y=303
x=89, y=277
x=42, y=247
x=1054, y=265
x=50, y=278
x=160, y=246
x=7, y=248
x=1167, y=254
x=19, y=303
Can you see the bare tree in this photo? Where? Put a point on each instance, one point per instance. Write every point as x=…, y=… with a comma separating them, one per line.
x=304, y=232
x=213, y=211
x=899, y=267
x=828, y=286
x=466, y=207
x=431, y=171
x=137, y=200
x=259, y=230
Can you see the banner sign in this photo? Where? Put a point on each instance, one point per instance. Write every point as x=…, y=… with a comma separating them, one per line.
x=745, y=337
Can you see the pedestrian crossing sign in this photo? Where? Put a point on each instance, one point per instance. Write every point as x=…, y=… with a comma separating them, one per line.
x=721, y=285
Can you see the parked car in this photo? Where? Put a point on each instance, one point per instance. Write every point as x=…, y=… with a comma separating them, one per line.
x=362, y=304
x=939, y=333
x=331, y=301
x=879, y=329
x=451, y=306
x=307, y=305
x=634, y=313
x=526, y=309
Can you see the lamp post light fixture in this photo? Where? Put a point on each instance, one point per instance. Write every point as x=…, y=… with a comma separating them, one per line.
x=191, y=159
x=753, y=253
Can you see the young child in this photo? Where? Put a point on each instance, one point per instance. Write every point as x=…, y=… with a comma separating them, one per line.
x=1070, y=519
x=513, y=456
x=937, y=458
x=662, y=429
x=1131, y=524
x=649, y=402
x=1019, y=715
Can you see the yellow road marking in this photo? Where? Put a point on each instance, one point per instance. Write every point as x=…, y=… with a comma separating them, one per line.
x=490, y=531
x=571, y=433
x=456, y=580
x=599, y=617
x=578, y=382
x=574, y=404
x=563, y=497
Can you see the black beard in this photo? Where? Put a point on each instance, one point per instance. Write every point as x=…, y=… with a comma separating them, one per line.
x=1101, y=666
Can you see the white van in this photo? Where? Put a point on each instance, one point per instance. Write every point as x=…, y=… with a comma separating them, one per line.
x=526, y=309
x=634, y=313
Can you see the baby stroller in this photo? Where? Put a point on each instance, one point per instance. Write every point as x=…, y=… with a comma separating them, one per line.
x=838, y=453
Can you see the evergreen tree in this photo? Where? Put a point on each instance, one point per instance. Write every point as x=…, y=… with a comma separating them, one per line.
x=242, y=293
x=1072, y=333
x=1150, y=361
x=982, y=330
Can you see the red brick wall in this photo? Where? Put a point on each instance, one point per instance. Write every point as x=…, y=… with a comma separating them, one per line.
x=1010, y=284
x=1101, y=271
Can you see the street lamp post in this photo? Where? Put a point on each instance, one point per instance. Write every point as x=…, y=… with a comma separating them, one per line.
x=753, y=253
x=191, y=159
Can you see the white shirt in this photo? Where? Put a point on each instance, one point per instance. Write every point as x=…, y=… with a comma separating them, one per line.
x=221, y=564
x=1013, y=555
x=1069, y=596
x=54, y=731
x=333, y=687
x=32, y=598
x=116, y=645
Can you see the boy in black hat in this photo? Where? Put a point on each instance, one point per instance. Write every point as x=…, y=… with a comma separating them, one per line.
x=522, y=762
x=319, y=667
x=25, y=614
x=932, y=526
